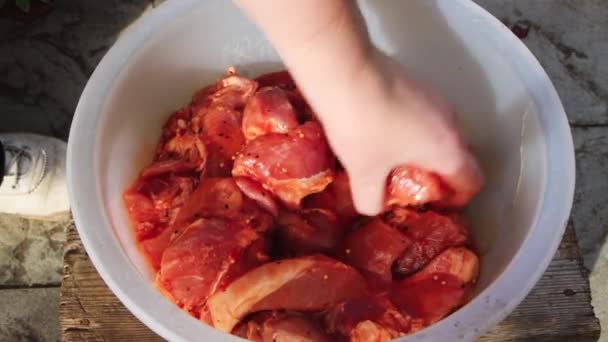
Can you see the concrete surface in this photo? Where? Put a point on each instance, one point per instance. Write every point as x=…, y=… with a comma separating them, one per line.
x=569, y=39
x=45, y=62
x=591, y=212
x=31, y=252
x=29, y=315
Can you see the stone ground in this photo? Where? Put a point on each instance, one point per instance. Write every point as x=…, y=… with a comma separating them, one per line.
x=46, y=60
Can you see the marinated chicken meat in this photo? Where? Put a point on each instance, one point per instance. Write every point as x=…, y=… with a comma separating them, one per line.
x=440, y=287
x=268, y=111
x=247, y=218
x=310, y=283
x=271, y=161
x=431, y=232
x=373, y=249
x=280, y=326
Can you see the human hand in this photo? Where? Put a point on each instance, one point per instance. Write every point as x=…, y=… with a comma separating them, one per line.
x=376, y=116
x=383, y=118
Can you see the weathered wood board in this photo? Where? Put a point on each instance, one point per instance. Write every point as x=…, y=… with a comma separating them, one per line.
x=558, y=309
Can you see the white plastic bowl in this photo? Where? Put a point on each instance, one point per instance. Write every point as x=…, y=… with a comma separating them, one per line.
x=508, y=108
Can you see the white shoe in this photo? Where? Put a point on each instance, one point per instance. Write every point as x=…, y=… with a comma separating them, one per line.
x=34, y=184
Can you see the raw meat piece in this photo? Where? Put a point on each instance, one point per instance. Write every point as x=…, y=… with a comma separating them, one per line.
x=291, y=166
x=431, y=232
x=204, y=259
x=311, y=283
x=373, y=249
x=268, y=111
x=439, y=288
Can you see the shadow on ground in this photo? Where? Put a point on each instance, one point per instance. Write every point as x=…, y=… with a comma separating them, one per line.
x=48, y=58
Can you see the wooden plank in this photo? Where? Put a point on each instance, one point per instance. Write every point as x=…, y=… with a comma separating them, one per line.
x=558, y=309
x=88, y=310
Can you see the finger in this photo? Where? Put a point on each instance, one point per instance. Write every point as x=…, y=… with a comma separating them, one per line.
x=368, y=189
x=466, y=181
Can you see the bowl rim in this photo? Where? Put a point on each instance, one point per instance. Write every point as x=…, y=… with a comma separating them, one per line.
x=92, y=224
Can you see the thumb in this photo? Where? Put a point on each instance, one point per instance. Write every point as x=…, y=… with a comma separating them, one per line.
x=368, y=189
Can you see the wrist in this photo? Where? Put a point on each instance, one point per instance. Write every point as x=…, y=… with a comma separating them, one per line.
x=331, y=58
